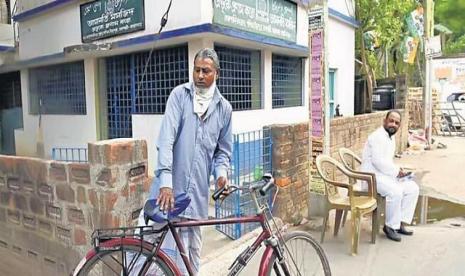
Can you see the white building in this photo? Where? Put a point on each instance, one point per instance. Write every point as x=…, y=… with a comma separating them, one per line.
x=84, y=73
x=341, y=55
x=448, y=76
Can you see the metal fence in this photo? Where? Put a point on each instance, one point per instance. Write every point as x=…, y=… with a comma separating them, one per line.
x=251, y=158
x=78, y=155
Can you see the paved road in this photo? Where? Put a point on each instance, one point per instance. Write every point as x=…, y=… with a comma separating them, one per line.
x=441, y=171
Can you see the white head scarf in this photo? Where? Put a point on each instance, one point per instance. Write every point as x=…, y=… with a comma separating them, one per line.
x=202, y=98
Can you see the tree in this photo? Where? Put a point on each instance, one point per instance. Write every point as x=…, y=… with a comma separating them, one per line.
x=450, y=14
x=386, y=20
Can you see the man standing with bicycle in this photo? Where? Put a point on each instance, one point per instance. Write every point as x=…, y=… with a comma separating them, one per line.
x=195, y=140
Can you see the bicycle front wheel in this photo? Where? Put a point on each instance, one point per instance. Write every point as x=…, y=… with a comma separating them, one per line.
x=123, y=257
x=302, y=256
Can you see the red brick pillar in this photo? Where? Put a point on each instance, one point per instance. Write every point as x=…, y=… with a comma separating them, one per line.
x=119, y=181
x=291, y=170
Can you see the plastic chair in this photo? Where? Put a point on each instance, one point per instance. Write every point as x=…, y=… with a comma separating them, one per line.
x=352, y=162
x=335, y=176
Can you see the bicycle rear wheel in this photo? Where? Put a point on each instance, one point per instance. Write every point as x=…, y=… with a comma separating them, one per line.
x=123, y=257
x=302, y=256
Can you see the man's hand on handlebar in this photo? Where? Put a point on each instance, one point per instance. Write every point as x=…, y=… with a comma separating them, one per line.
x=223, y=182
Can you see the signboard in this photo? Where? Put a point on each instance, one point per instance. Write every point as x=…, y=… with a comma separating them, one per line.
x=274, y=18
x=315, y=19
x=415, y=23
x=408, y=49
x=433, y=47
x=316, y=73
x=106, y=18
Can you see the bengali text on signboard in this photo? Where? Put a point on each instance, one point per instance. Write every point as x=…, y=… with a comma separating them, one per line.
x=274, y=18
x=316, y=80
x=106, y=18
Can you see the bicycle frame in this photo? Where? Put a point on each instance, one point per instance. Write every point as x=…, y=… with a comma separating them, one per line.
x=243, y=259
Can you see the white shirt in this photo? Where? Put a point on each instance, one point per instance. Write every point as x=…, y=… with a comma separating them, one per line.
x=378, y=154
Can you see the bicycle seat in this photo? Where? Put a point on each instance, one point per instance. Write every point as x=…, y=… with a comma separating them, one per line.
x=152, y=209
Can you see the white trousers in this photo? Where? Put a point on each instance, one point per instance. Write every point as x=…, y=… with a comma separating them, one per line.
x=191, y=238
x=401, y=199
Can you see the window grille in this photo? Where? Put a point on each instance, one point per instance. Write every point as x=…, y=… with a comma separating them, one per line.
x=131, y=91
x=167, y=69
x=239, y=80
x=58, y=89
x=78, y=155
x=286, y=81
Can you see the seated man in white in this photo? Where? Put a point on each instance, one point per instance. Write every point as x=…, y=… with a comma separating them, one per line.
x=400, y=191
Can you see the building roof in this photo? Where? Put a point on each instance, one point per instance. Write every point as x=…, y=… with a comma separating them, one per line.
x=442, y=29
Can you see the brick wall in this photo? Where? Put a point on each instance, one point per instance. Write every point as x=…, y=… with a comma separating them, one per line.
x=352, y=132
x=291, y=169
x=415, y=106
x=49, y=209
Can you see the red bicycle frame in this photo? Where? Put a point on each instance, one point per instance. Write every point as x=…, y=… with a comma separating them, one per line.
x=245, y=256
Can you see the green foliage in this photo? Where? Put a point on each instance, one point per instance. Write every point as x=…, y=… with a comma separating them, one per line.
x=387, y=20
x=456, y=46
x=450, y=14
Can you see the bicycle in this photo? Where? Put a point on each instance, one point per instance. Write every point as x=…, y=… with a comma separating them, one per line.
x=116, y=251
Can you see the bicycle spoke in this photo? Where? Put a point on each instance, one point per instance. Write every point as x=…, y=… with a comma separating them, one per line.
x=108, y=266
x=301, y=256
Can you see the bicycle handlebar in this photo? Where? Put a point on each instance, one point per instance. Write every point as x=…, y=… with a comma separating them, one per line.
x=263, y=186
x=218, y=193
x=269, y=182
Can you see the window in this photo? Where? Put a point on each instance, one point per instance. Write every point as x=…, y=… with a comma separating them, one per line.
x=58, y=89
x=239, y=80
x=134, y=88
x=167, y=69
x=286, y=81
x=332, y=79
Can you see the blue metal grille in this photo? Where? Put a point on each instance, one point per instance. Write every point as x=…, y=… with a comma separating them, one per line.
x=70, y=154
x=119, y=81
x=10, y=90
x=239, y=80
x=131, y=91
x=251, y=158
x=286, y=81
x=58, y=89
x=167, y=69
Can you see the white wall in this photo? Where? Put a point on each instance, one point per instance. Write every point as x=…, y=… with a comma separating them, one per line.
x=58, y=130
x=452, y=73
x=346, y=7
x=6, y=35
x=341, y=56
x=24, y=5
x=302, y=26
x=147, y=127
x=59, y=28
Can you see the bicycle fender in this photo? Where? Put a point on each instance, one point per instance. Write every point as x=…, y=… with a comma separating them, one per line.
x=115, y=242
x=265, y=261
